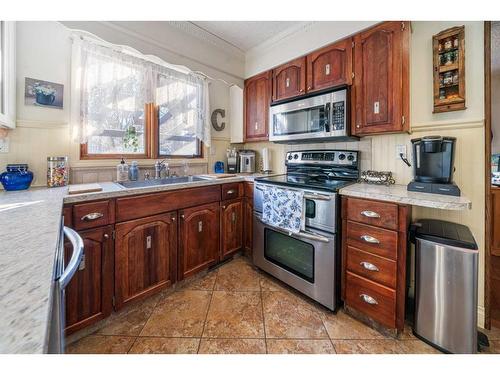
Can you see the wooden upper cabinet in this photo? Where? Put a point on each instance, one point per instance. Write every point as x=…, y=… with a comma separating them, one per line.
x=381, y=77
x=198, y=239
x=256, y=103
x=89, y=293
x=231, y=227
x=289, y=80
x=145, y=256
x=330, y=66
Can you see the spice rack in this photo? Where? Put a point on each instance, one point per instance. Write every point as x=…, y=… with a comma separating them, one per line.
x=449, y=69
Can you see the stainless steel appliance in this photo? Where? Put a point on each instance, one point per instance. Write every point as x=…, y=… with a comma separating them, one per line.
x=310, y=260
x=446, y=261
x=433, y=168
x=318, y=118
x=247, y=161
x=62, y=276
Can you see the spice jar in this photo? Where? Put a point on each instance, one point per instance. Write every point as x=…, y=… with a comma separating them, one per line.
x=447, y=44
x=57, y=171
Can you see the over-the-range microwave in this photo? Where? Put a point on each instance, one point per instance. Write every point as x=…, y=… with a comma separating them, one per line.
x=319, y=118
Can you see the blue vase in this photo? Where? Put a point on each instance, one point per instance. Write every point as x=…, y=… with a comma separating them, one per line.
x=43, y=99
x=17, y=177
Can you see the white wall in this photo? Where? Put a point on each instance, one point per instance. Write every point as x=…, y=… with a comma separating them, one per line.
x=467, y=126
x=44, y=52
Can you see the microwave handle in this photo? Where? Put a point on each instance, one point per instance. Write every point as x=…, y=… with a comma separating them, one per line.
x=327, y=115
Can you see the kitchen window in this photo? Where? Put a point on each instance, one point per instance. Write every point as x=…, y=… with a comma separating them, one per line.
x=7, y=74
x=132, y=107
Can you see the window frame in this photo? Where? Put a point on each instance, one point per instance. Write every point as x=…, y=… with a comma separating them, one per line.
x=156, y=139
x=8, y=74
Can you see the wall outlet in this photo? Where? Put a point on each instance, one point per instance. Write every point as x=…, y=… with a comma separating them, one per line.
x=400, y=149
x=4, y=145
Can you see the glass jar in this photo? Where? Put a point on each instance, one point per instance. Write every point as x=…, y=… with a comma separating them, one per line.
x=57, y=171
x=17, y=177
x=133, y=171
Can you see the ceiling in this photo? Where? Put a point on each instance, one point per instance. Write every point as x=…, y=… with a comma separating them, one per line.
x=245, y=35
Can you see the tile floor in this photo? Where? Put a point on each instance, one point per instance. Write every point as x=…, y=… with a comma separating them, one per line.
x=238, y=309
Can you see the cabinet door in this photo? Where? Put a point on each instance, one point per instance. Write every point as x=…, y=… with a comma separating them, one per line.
x=231, y=227
x=199, y=239
x=381, y=58
x=289, y=80
x=495, y=215
x=248, y=226
x=89, y=295
x=145, y=256
x=257, y=100
x=330, y=66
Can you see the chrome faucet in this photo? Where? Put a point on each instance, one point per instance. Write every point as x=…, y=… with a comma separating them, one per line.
x=159, y=166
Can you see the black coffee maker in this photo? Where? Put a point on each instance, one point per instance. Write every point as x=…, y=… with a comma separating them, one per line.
x=433, y=165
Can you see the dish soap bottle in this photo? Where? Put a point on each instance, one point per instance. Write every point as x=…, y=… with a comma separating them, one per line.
x=122, y=171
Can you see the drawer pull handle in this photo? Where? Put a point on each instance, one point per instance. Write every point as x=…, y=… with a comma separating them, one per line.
x=92, y=216
x=368, y=299
x=369, y=239
x=229, y=192
x=370, y=214
x=369, y=266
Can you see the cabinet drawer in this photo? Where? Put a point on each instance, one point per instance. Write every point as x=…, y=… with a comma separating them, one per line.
x=372, y=267
x=232, y=191
x=151, y=204
x=375, y=240
x=380, y=214
x=372, y=299
x=92, y=215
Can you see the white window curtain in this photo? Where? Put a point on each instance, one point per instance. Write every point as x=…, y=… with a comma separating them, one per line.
x=110, y=87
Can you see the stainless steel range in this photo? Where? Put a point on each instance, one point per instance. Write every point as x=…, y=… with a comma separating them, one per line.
x=308, y=261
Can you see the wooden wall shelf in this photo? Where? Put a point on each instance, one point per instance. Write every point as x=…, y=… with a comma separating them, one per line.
x=449, y=70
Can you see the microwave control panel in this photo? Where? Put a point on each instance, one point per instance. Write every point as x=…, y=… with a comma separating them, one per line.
x=338, y=115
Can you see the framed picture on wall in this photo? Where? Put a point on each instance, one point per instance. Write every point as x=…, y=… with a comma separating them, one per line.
x=43, y=93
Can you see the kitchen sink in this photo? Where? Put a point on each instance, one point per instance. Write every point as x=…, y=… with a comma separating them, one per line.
x=161, y=181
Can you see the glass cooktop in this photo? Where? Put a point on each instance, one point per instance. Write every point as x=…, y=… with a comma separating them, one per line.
x=307, y=181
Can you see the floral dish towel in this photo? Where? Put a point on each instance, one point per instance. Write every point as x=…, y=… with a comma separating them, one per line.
x=283, y=208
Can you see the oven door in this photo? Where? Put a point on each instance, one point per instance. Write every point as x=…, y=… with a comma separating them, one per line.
x=301, y=119
x=305, y=261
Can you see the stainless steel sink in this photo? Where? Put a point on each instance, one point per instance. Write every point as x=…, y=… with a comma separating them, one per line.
x=161, y=181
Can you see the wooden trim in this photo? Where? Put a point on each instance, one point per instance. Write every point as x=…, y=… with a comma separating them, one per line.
x=487, y=174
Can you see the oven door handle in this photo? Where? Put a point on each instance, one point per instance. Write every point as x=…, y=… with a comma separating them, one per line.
x=302, y=234
x=74, y=262
x=317, y=197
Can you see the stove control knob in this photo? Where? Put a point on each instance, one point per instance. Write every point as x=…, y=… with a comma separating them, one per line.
x=290, y=157
x=296, y=156
x=350, y=157
x=341, y=156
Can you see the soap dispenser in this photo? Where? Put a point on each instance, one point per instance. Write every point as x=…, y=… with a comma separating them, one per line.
x=122, y=171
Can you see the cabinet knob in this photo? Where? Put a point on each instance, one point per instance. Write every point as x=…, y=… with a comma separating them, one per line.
x=106, y=236
x=301, y=90
x=182, y=216
x=309, y=87
x=358, y=126
x=173, y=218
x=224, y=207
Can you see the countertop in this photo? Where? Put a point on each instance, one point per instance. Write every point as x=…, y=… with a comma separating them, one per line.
x=399, y=194
x=29, y=229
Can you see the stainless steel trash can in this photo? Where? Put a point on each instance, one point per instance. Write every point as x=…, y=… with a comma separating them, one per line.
x=446, y=267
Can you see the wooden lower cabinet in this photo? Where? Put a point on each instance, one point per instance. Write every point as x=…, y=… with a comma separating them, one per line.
x=89, y=295
x=145, y=256
x=231, y=227
x=198, y=239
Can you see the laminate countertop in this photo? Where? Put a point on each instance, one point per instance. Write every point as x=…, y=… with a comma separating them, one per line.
x=29, y=228
x=399, y=194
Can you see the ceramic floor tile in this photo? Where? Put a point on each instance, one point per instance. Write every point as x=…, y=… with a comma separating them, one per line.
x=416, y=347
x=287, y=316
x=342, y=326
x=181, y=314
x=206, y=282
x=235, y=314
x=270, y=284
x=294, y=346
x=407, y=333
x=232, y=346
x=130, y=320
x=238, y=275
x=162, y=345
x=384, y=346
x=493, y=333
x=95, y=344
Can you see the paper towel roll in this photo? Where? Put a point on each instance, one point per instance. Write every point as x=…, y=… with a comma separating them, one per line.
x=266, y=160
